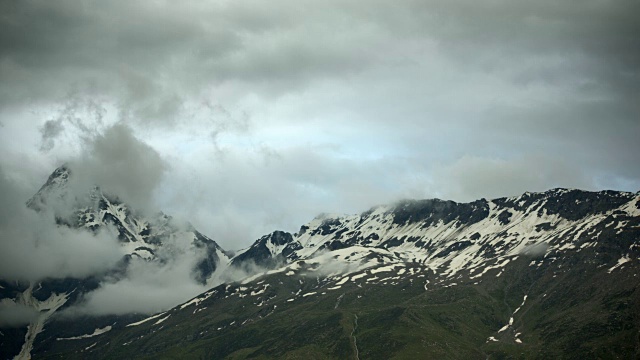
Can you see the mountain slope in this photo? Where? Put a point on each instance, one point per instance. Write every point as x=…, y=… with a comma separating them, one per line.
x=542, y=275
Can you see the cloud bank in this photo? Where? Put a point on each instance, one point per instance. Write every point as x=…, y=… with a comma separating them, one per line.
x=250, y=117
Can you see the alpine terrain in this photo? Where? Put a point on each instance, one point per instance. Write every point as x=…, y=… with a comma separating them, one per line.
x=550, y=275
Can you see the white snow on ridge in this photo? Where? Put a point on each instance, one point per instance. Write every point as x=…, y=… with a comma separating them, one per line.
x=385, y=268
x=273, y=248
x=198, y=299
x=631, y=207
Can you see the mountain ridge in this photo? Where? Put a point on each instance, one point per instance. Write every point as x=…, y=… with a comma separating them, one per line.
x=432, y=250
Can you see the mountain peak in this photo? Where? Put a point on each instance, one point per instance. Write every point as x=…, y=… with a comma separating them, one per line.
x=54, y=187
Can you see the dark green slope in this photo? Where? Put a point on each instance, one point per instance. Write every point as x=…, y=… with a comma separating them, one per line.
x=575, y=309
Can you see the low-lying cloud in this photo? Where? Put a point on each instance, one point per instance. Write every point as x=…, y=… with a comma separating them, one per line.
x=15, y=315
x=535, y=250
x=147, y=287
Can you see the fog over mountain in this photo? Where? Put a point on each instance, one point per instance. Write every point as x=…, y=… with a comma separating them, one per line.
x=246, y=117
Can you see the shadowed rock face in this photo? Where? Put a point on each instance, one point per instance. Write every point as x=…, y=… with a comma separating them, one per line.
x=429, y=212
x=268, y=251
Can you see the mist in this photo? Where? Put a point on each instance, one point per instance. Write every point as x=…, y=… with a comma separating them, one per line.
x=15, y=315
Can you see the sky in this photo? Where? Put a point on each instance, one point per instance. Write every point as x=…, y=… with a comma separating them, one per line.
x=243, y=117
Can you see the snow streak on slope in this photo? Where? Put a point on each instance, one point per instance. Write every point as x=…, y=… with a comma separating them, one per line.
x=45, y=308
x=96, y=332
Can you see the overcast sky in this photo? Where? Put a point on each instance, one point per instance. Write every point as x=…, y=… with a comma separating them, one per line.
x=243, y=117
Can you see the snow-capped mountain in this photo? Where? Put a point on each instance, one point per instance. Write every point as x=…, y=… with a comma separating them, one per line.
x=548, y=275
x=139, y=236
x=451, y=238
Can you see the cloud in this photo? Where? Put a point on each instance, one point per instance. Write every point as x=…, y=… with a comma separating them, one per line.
x=236, y=198
x=16, y=315
x=149, y=286
x=266, y=114
x=246, y=117
x=121, y=165
x=471, y=176
x=286, y=45
x=535, y=250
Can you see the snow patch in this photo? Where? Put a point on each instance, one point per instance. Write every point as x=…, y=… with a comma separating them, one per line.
x=96, y=332
x=621, y=261
x=359, y=276
x=145, y=320
x=162, y=320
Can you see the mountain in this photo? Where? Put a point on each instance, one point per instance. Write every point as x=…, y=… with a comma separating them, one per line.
x=155, y=239
x=141, y=237
x=537, y=276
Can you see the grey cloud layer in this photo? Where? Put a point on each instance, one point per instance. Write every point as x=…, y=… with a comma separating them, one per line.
x=122, y=165
x=250, y=116
x=145, y=46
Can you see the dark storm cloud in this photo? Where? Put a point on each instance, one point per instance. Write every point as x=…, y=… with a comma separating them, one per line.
x=193, y=44
x=120, y=164
x=152, y=56
x=50, y=131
